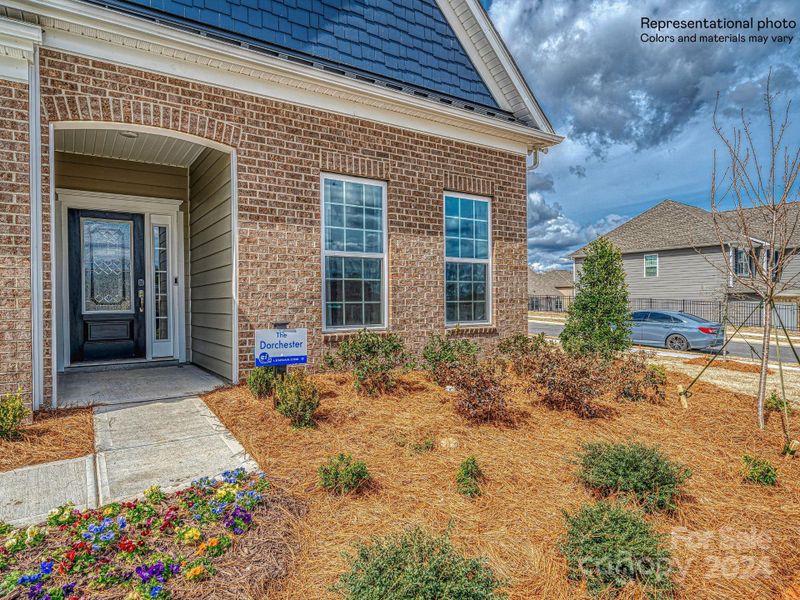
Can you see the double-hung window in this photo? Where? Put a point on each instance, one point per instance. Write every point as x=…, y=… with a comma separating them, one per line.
x=467, y=259
x=353, y=252
x=650, y=265
x=741, y=262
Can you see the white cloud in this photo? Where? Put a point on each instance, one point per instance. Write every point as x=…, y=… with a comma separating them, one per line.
x=552, y=235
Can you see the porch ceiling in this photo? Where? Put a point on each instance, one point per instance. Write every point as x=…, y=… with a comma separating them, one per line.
x=137, y=146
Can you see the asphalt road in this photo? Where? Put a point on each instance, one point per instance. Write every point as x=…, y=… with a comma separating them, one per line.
x=735, y=348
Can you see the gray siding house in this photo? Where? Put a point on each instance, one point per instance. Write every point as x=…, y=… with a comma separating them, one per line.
x=672, y=252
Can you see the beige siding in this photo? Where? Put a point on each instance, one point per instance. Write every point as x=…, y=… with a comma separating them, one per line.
x=112, y=176
x=685, y=274
x=210, y=301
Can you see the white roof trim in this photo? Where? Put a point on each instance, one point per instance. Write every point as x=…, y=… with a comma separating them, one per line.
x=17, y=39
x=494, y=62
x=97, y=23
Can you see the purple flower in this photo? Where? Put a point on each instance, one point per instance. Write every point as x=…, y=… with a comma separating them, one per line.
x=68, y=588
x=35, y=590
x=175, y=568
x=155, y=571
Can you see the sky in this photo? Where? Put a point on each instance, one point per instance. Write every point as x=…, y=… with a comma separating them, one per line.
x=637, y=116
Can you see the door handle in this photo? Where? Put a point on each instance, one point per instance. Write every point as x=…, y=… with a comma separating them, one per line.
x=141, y=301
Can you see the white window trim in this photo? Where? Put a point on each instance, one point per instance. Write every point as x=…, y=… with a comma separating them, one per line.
x=382, y=255
x=644, y=272
x=486, y=261
x=748, y=271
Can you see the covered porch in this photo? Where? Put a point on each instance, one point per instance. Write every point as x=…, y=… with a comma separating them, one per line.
x=144, y=257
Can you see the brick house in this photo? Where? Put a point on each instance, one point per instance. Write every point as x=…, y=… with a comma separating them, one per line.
x=177, y=175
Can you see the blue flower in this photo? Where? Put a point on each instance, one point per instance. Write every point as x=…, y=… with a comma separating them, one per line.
x=46, y=567
x=95, y=547
x=108, y=536
x=122, y=523
x=154, y=591
x=29, y=579
x=87, y=536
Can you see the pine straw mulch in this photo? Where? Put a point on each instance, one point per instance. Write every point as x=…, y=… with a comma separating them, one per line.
x=53, y=435
x=729, y=365
x=731, y=540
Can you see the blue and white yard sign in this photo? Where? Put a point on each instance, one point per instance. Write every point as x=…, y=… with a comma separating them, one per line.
x=275, y=347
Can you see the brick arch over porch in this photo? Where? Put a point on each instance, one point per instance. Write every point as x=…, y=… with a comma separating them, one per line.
x=98, y=110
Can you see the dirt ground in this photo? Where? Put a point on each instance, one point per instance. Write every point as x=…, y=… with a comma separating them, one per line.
x=729, y=539
x=53, y=435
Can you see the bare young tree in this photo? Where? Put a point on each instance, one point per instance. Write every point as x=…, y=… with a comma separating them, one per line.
x=756, y=215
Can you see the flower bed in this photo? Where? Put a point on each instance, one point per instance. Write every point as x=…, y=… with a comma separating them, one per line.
x=158, y=547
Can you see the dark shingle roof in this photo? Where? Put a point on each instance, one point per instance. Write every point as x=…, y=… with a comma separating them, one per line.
x=407, y=41
x=672, y=225
x=547, y=283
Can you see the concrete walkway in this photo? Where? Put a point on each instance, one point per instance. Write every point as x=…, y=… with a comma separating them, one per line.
x=166, y=442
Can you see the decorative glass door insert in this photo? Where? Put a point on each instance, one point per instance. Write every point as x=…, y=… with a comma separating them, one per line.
x=107, y=255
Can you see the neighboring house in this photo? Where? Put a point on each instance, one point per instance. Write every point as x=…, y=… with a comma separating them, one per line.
x=557, y=282
x=179, y=174
x=672, y=251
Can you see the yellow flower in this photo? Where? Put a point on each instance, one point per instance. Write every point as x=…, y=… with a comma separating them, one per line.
x=190, y=534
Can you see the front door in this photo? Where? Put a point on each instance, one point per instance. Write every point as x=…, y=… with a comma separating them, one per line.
x=106, y=285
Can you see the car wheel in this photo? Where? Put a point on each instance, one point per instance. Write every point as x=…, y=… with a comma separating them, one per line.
x=677, y=342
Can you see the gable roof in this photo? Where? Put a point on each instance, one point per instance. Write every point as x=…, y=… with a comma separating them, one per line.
x=549, y=283
x=671, y=225
x=445, y=51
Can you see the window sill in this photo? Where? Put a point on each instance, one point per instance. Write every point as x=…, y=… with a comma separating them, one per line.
x=478, y=329
x=339, y=335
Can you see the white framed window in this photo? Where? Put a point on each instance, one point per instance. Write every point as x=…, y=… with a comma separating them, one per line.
x=354, y=241
x=650, y=265
x=741, y=262
x=468, y=259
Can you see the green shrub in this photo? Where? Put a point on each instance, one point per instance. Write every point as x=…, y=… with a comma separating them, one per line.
x=413, y=565
x=372, y=357
x=759, y=470
x=443, y=353
x=12, y=413
x=5, y=528
x=342, y=475
x=480, y=392
x=598, y=319
x=297, y=397
x=640, y=472
x=261, y=381
x=520, y=349
x=610, y=546
x=468, y=478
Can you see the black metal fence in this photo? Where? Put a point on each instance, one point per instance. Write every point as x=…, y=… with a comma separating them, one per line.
x=738, y=312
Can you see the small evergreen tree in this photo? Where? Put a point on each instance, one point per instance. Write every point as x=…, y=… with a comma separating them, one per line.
x=598, y=320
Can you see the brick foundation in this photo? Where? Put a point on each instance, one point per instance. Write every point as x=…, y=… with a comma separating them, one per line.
x=281, y=150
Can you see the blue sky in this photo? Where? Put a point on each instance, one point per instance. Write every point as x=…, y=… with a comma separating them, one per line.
x=638, y=116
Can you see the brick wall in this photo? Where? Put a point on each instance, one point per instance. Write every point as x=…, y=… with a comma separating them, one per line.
x=15, y=249
x=281, y=150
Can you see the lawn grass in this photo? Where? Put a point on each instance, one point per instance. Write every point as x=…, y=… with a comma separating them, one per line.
x=530, y=479
x=53, y=435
